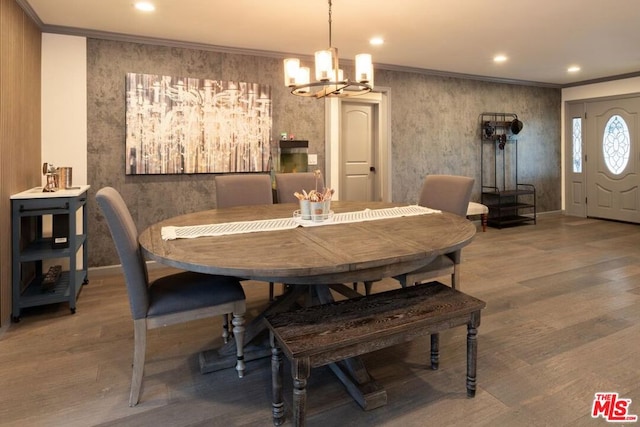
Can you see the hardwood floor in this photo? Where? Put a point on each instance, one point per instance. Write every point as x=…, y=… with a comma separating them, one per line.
x=562, y=322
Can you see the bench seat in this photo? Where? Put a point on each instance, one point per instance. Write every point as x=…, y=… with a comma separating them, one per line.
x=475, y=209
x=318, y=335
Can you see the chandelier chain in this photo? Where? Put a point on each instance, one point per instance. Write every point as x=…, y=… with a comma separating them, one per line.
x=330, y=45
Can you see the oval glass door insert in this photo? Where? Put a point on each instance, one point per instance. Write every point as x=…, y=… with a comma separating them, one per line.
x=616, y=144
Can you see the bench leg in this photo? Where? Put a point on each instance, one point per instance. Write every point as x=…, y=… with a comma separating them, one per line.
x=435, y=351
x=277, y=404
x=472, y=352
x=300, y=371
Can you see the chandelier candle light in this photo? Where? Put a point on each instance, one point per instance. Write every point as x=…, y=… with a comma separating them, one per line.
x=329, y=78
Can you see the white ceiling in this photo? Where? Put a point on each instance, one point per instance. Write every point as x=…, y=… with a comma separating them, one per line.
x=541, y=38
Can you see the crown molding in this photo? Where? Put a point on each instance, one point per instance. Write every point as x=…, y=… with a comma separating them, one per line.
x=271, y=54
x=81, y=32
x=603, y=79
x=26, y=7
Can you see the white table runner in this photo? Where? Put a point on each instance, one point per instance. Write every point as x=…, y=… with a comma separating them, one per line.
x=210, y=230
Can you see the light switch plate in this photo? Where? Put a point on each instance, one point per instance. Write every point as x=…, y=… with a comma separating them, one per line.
x=312, y=159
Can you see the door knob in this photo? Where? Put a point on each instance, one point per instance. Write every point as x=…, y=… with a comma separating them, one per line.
x=372, y=168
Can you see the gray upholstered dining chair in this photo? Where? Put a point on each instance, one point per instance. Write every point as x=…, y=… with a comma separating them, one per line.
x=447, y=193
x=244, y=190
x=289, y=183
x=172, y=299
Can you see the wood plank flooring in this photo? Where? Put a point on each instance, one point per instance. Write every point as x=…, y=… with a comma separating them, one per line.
x=562, y=322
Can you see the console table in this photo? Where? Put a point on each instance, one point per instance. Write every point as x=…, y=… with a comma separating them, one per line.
x=32, y=244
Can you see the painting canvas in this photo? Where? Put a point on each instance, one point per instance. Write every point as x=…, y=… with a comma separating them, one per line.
x=182, y=125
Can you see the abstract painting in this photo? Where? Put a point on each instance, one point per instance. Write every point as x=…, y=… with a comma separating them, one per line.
x=182, y=125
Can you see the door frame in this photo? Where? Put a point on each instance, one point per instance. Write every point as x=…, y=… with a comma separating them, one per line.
x=579, y=181
x=381, y=96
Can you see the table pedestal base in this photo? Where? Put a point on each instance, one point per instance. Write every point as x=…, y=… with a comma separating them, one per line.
x=351, y=372
x=359, y=384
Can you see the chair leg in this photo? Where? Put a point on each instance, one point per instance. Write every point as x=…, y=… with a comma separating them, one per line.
x=139, y=350
x=455, y=277
x=402, y=279
x=271, y=291
x=367, y=288
x=238, y=333
x=225, y=328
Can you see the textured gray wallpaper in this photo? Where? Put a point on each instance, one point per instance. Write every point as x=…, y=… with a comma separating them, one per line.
x=435, y=128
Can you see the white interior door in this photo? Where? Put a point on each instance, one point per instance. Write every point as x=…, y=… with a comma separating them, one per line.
x=613, y=158
x=357, y=147
x=358, y=155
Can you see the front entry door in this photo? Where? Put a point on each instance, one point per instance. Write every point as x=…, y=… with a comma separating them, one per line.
x=613, y=158
x=358, y=180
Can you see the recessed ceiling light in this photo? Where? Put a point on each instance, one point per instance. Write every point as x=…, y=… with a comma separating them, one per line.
x=573, y=69
x=499, y=58
x=145, y=6
x=376, y=41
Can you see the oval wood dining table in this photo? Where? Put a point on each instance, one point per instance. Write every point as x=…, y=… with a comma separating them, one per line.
x=314, y=258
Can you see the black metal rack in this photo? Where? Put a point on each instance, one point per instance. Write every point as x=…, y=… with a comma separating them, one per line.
x=509, y=201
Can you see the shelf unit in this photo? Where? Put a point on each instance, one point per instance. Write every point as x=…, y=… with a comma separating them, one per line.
x=30, y=247
x=509, y=201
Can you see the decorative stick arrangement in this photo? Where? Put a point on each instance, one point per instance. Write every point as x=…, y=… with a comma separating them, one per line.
x=315, y=195
x=315, y=205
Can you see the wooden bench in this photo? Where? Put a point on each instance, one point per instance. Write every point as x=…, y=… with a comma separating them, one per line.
x=324, y=334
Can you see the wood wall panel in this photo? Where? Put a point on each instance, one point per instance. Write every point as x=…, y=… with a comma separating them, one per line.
x=20, y=53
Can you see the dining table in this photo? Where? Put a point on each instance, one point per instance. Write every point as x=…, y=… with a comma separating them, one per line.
x=356, y=242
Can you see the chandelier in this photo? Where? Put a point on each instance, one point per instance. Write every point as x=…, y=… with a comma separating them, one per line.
x=329, y=78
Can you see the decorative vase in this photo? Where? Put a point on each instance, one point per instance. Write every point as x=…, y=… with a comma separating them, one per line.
x=305, y=209
x=327, y=208
x=319, y=211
